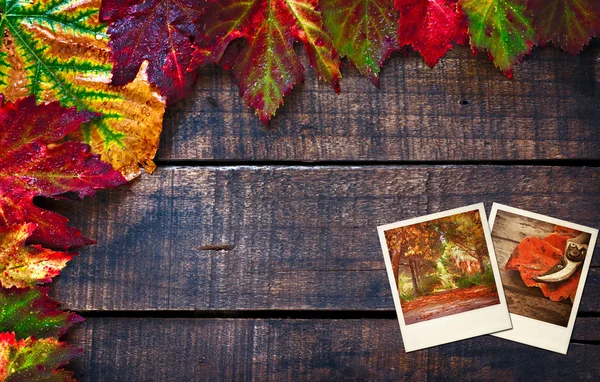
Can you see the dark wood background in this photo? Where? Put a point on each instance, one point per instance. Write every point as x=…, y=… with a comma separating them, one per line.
x=252, y=253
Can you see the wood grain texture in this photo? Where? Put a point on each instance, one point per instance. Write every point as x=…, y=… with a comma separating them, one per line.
x=307, y=350
x=463, y=109
x=302, y=237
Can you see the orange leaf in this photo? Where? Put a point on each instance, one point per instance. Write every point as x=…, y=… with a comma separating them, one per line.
x=535, y=256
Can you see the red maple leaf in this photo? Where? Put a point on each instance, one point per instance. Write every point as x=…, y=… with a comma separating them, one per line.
x=32, y=165
x=159, y=31
x=431, y=27
x=569, y=24
x=267, y=67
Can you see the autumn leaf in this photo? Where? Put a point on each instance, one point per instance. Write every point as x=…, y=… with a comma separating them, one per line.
x=33, y=165
x=569, y=24
x=502, y=27
x=158, y=31
x=534, y=256
x=34, y=360
x=22, y=266
x=365, y=31
x=58, y=50
x=268, y=67
x=30, y=312
x=431, y=27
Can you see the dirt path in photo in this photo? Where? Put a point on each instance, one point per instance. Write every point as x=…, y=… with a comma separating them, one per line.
x=447, y=303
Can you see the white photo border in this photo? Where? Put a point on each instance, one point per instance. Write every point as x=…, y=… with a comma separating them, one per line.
x=457, y=326
x=538, y=333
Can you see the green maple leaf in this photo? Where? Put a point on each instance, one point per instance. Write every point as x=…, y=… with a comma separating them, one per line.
x=365, y=31
x=34, y=360
x=268, y=67
x=502, y=27
x=57, y=50
x=30, y=312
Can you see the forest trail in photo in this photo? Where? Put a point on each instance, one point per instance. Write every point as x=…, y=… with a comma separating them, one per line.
x=442, y=267
x=447, y=303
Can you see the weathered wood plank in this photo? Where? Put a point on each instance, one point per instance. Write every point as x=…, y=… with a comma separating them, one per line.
x=519, y=228
x=463, y=109
x=303, y=237
x=129, y=349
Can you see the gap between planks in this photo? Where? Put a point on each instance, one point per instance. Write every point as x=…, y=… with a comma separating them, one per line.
x=262, y=314
x=163, y=163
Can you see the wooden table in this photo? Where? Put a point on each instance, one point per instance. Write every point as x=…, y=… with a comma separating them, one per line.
x=252, y=253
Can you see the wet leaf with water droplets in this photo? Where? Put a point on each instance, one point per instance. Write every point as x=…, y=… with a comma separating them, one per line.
x=569, y=24
x=267, y=67
x=365, y=31
x=34, y=360
x=502, y=27
x=58, y=51
x=23, y=265
x=32, y=164
x=30, y=312
x=158, y=31
x=431, y=27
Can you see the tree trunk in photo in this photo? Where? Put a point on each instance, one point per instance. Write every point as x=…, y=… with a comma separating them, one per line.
x=481, y=263
x=396, y=265
x=413, y=277
x=417, y=270
x=396, y=260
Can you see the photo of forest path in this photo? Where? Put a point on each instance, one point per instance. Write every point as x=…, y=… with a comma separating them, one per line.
x=442, y=267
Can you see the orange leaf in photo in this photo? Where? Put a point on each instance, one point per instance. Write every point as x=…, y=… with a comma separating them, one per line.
x=534, y=256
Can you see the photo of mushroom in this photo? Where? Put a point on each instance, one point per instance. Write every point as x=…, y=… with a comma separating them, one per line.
x=540, y=266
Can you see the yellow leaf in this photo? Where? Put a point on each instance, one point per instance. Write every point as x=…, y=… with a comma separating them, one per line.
x=22, y=266
x=58, y=51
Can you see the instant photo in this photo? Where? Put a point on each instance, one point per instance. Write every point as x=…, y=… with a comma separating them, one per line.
x=444, y=277
x=543, y=265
